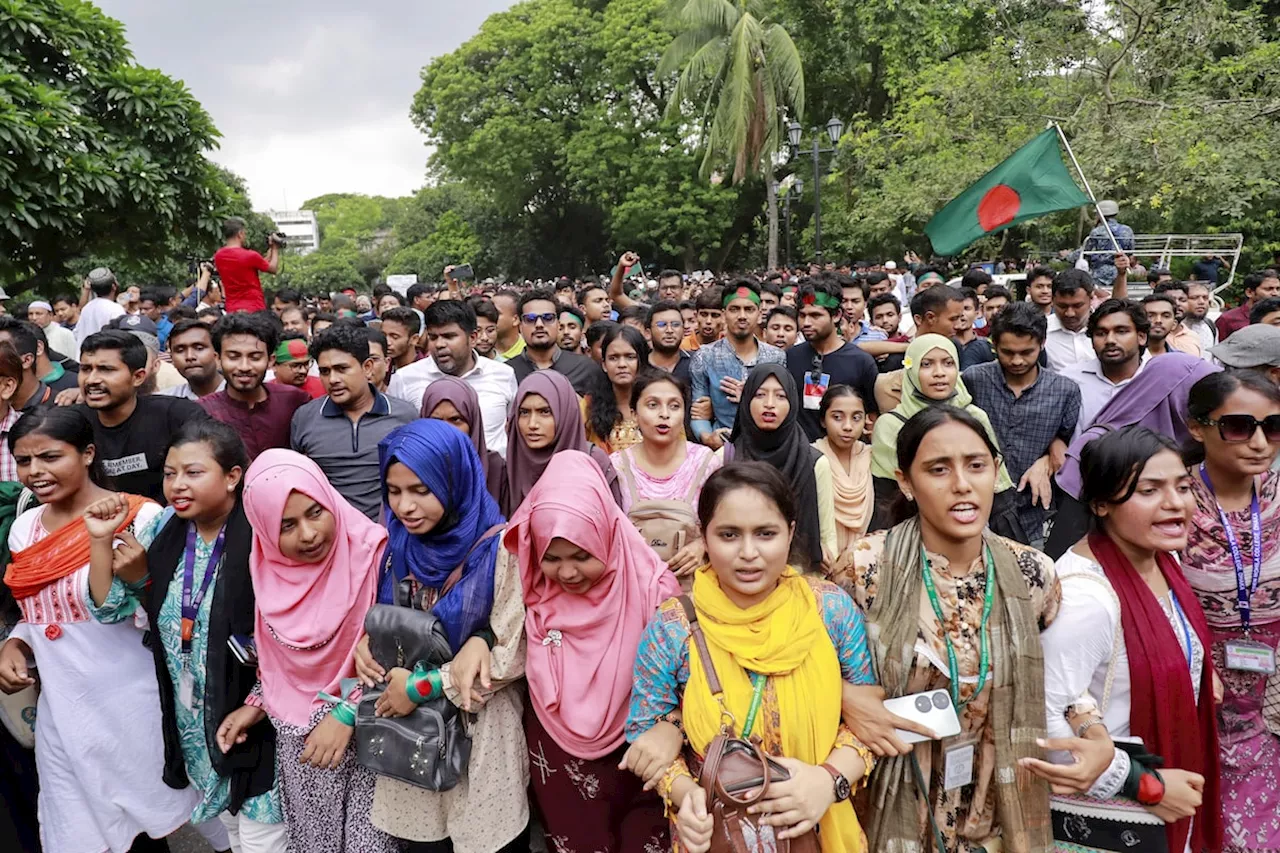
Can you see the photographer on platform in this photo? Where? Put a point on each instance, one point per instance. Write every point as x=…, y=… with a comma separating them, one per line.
x=238, y=266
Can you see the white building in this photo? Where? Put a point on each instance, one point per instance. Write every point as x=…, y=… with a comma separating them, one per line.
x=299, y=226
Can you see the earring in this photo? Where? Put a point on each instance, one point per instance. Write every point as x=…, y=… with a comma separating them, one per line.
x=909, y=496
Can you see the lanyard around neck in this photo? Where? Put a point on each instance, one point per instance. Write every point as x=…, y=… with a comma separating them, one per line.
x=984, y=656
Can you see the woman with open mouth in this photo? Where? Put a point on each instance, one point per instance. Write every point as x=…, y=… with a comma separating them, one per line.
x=314, y=565
x=952, y=606
x=663, y=475
x=1234, y=418
x=1128, y=657
x=99, y=748
x=610, y=417
x=931, y=377
x=768, y=429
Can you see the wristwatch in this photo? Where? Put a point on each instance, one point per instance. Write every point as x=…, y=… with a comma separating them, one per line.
x=842, y=787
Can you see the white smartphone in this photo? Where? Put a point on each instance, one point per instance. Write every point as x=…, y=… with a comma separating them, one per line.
x=932, y=709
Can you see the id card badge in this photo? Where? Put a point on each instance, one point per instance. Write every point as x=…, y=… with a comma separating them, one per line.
x=957, y=762
x=1249, y=656
x=813, y=391
x=186, y=689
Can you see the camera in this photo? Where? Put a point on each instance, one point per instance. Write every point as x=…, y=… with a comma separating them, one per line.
x=194, y=262
x=277, y=238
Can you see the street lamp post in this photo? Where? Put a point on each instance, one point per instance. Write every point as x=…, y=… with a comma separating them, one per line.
x=834, y=128
x=797, y=187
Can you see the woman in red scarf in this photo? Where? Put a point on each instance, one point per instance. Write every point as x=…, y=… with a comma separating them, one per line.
x=1127, y=653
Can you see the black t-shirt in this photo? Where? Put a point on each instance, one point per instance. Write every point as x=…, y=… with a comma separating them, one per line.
x=848, y=365
x=132, y=454
x=583, y=373
x=977, y=351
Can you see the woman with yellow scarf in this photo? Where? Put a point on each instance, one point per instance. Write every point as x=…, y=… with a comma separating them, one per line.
x=782, y=644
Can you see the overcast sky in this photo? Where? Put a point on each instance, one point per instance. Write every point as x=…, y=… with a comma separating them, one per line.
x=310, y=98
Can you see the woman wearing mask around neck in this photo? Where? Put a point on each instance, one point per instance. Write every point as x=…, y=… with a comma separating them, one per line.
x=440, y=516
x=314, y=565
x=665, y=466
x=99, y=789
x=951, y=606
x=1130, y=639
x=591, y=584
x=845, y=424
x=1236, y=499
x=781, y=644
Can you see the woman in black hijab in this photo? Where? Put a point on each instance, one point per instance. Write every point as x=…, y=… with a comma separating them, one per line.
x=768, y=430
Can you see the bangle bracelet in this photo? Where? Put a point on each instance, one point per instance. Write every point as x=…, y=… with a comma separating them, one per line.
x=344, y=713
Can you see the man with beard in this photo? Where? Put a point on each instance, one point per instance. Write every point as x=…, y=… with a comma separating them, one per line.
x=823, y=358
x=450, y=337
x=1181, y=338
x=1258, y=286
x=191, y=347
x=401, y=326
x=665, y=329
x=486, y=327
x=1034, y=411
x=572, y=324
x=131, y=431
x=1195, y=320
x=1162, y=314
x=1068, y=341
x=259, y=410
x=720, y=368
x=540, y=328
x=709, y=315
x=1118, y=329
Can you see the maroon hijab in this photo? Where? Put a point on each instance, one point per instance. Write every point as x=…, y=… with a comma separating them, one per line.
x=1161, y=690
x=463, y=397
x=525, y=465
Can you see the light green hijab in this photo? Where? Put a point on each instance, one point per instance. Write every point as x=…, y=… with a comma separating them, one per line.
x=884, y=438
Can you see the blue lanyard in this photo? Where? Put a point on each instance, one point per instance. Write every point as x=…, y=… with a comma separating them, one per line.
x=1186, y=632
x=191, y=600
x=1244, y=596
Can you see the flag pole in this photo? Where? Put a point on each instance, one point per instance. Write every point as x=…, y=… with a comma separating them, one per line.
x=1087, y=188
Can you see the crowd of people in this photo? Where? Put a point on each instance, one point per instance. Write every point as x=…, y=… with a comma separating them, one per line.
x=480, y=567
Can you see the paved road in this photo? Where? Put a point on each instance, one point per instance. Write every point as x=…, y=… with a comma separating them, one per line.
x=187, y=840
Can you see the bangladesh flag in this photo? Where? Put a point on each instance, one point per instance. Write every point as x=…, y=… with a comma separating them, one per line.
x=1032, y=182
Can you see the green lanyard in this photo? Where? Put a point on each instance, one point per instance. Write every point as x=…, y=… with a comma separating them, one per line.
x=984, y=658
x=758, y=682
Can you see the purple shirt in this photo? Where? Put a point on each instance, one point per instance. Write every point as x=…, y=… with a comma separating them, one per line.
x=263, y=425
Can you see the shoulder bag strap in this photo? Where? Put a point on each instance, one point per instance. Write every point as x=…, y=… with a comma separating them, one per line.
x=700, y=643
x=456, y=574
x=696, y=483
x=628, y=477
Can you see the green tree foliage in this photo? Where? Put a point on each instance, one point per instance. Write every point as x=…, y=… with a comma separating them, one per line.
x=323, y=272
x=451, y=241
x=97, y=154
x=552, y=117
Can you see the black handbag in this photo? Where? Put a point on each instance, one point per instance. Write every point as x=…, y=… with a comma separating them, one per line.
x=431, y=747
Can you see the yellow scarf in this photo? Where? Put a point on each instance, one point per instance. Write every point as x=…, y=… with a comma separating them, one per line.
x=784, y=638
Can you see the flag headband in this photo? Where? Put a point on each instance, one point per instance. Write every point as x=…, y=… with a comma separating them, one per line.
x=928, y=277
x=739, y=293
x=292, y=350
x=822, y=300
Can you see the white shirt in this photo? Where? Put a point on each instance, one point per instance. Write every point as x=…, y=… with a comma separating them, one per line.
x=184, y=390
x=62, y=341
x=94, y=317
x=1065, y=348
x=1207, y=332
x=494, y=384
x=1096, y=390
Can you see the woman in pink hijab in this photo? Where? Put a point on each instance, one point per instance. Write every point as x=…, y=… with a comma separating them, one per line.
x=314, y=566
x=591, y=584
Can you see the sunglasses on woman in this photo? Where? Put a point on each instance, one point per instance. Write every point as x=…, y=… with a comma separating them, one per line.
x=1240, y=428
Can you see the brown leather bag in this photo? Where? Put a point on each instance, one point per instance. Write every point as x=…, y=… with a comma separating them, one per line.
x=736, y=774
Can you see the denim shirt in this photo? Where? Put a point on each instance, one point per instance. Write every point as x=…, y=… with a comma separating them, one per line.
x=716, y=361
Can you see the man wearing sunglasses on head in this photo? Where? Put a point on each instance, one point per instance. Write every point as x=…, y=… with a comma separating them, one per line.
x=539, y=317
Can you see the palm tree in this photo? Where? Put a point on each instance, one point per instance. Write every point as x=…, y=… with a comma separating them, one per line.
x=746, y=72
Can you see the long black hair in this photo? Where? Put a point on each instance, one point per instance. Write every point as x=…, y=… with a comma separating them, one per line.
x=61, y=423
x=1111, y=464
x=603, y=409
x=1211, y=393
x=912, y=435
x=224, y=443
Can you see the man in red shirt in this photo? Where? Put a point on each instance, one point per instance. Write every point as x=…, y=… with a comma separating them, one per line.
x=1258, y=286
x=239, y=267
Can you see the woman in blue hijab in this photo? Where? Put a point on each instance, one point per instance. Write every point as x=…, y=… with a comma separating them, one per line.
x=443, y=522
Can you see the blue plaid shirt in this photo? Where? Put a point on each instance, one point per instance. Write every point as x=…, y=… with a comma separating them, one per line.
x=1025, y=426
x=716, y=361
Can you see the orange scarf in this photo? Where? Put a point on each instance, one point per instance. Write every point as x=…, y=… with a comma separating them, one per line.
x=63, y=552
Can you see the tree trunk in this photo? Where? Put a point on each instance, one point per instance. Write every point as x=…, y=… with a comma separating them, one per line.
x=772, y=196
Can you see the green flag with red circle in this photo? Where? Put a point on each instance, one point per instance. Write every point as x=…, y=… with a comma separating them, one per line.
x=1032, y=182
